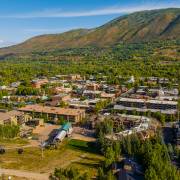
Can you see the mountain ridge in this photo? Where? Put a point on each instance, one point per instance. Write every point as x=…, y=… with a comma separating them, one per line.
x=143, y=26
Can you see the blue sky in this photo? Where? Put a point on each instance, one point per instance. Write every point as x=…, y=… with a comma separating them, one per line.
x=22, y=19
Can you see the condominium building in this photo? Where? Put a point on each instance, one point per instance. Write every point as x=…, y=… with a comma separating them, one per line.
x=12, y=117
x=143, y=105
x=54, y=113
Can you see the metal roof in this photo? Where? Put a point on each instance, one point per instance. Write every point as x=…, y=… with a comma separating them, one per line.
x=66, y=126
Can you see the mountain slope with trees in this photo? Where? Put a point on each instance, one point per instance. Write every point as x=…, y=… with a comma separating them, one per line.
x=144, y=26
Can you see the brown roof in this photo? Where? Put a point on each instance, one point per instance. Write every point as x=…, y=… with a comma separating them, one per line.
x=4, y=116
x=107, y=95
x=52, y=110
x=8, y=115
x=15, y=113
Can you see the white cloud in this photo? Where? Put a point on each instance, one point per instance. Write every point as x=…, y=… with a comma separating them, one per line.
x=4, y=43
x=59, y=13
x=46, y=30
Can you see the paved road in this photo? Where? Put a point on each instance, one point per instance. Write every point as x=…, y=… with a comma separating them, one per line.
x=26, y=174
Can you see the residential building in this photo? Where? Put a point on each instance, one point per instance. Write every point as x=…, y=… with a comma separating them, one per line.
x=13, y=117
x=143, y=105
x=54, y=113
x=129, y=122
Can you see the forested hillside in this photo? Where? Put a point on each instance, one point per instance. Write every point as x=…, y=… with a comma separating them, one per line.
x=159, y=59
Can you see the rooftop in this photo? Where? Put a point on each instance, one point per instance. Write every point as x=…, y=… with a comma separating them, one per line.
x=52, y=110
x=66, y=126
x=167, y=111
x=7, y=115
x=148, y=101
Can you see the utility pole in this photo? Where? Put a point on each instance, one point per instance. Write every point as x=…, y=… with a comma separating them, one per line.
x=41, y=146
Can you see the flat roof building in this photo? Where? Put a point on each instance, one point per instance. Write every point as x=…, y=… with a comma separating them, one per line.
x=54, y=113
x=143, y=105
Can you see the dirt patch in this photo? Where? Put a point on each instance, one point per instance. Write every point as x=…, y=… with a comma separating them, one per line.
x=83, y=137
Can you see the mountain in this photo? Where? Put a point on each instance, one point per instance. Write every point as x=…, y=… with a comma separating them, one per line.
x=144, y=26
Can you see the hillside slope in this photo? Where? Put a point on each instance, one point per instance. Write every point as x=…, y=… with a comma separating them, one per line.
x=163, y=24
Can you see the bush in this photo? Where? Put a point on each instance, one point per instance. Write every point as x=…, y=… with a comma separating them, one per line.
x=71, y=173
x=9, y=131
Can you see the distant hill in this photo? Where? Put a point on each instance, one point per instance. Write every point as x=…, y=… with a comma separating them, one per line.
x=144, y=26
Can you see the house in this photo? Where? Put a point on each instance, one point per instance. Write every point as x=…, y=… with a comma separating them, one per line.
x=54, y=113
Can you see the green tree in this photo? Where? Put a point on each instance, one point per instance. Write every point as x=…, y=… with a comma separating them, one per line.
x=150, y=174
x=109, y=157
x=110, y=176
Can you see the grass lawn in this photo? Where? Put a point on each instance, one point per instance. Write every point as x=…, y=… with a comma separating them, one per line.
x=90, y=158
x=82, y=155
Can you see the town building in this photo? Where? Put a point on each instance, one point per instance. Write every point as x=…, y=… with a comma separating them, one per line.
x=54, y=113
x=13, y=117
x=124, y=122
x=144, y=105
x=87, y=104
